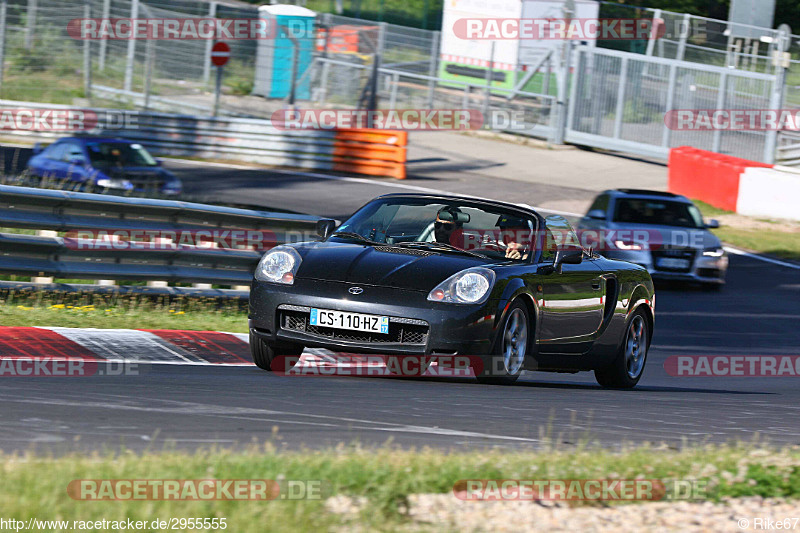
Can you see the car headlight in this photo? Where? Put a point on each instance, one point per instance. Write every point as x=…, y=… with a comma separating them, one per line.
x=114, y=183
x=279, y=265
x=713, y=252
x=470, y=286
x=622, y=245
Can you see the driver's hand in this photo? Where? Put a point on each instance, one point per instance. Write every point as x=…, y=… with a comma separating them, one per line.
x=513, y=253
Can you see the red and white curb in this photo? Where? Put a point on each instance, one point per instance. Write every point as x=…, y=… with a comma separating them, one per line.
x=156, y=346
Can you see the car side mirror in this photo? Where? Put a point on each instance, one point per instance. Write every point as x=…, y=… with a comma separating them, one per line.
x=567, y=257
x=325, y=227
x=712, y=224
x=596, y=214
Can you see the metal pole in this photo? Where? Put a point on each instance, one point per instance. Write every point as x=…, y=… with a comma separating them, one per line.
x=150, y=52
x=561, y=102
x=651, y=39
x=131, y=50
x=489, y=76
x=29, y=31
x=212, y=13
x=101, y=61
x=775, y=102
x=666, y=136
x=684, y=34
x=395, y=81
x=87, y=56
x=381, y=38
x=433, y=68
x=217, y=91
x=716, y=144
x=3, y=9
x=295, y=65
x=620, y=110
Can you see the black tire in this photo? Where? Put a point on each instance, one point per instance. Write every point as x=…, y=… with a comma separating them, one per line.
x=265, y=355
x=623, y=373
x=499, y=369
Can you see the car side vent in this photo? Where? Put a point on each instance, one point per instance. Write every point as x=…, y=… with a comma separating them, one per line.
x=405, y=251
x=612, y=288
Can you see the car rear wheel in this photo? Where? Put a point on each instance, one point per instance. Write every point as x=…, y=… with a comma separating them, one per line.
x=626, y=370
x=504, y=366
x=269, y=358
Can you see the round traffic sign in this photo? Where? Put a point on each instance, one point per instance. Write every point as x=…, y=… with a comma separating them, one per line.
x=220, y=53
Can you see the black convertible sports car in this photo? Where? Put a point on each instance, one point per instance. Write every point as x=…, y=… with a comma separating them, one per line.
x=443, y=276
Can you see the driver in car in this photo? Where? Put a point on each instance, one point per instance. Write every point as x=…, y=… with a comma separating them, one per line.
x=449, y=219
x=515, y=235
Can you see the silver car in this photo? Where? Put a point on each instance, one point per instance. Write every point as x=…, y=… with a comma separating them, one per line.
x=663, y=232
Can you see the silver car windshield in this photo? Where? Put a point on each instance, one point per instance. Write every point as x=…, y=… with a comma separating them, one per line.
x=657, y=212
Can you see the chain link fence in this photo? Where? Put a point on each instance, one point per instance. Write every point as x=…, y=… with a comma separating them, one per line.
x=43, y=63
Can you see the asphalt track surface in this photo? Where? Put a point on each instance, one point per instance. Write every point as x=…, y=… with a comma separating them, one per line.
x=757, y=313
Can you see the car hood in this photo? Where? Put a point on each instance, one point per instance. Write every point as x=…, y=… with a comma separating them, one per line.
x=670, y=235
x=387, y=266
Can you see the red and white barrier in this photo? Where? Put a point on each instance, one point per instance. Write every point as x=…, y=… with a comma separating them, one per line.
x=735, y=184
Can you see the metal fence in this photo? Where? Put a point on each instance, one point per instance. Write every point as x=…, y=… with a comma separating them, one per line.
x=619, y=100
x=103, y=257
x=43, y=63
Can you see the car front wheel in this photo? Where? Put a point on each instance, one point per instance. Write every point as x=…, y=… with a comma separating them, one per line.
x=504, y=366
x=626, y=370
x=270, y=358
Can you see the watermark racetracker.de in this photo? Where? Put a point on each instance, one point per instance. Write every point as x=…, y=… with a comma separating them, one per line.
x=579, y=489
x=198, y=489
x=61, y=120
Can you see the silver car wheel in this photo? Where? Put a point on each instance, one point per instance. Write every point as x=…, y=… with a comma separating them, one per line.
x=515, y=342
x=636, y=347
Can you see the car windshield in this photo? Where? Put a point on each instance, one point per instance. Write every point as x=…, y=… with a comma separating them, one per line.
x=118, y=154
x=443, y=225
x=659, y=212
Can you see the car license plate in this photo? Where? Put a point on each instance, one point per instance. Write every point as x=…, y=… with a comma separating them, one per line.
x=672, y=262
x=355, y=321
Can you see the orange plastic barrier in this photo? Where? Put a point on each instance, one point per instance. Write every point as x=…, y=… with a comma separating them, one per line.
x=707, y=176
x=371, y=152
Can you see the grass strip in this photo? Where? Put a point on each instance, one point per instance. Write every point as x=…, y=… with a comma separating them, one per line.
x=36, y=486
x=776, y=242
x=81, y=310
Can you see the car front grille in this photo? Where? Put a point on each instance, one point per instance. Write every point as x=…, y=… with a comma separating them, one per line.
x=674, y=253
x=401, y=331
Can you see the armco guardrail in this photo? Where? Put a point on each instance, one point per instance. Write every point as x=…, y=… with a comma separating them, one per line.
x=104, y=257
x=374, y=152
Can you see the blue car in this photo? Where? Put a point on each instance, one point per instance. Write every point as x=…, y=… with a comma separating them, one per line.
x=105, y=163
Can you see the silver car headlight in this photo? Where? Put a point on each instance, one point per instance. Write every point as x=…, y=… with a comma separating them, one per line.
x=713, y=252
x=279, y=265
x=470, y=286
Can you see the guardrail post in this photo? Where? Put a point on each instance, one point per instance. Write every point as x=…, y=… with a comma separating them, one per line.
x=101, y=60
x=212, y=13
x=131, y=50
x=31, y=25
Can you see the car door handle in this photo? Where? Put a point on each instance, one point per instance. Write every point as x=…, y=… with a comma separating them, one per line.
x=596, y=284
